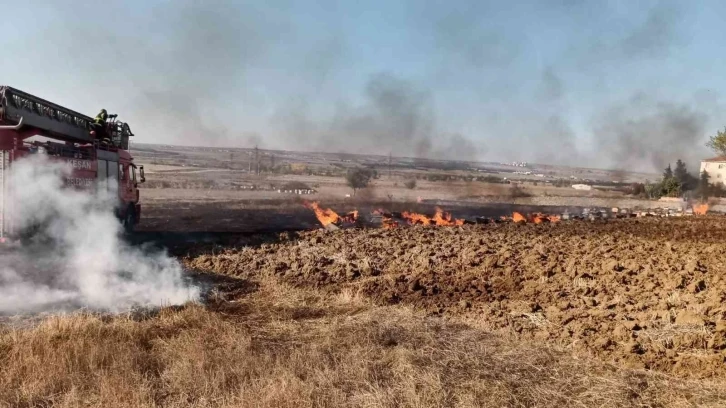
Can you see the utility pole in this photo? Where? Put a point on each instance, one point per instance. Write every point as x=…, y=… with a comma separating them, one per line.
x=257, y=161
x=390, y=161
x=249, y=163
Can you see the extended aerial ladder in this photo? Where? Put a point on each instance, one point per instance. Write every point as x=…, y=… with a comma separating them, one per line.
x=26, y=114
x=73, y=139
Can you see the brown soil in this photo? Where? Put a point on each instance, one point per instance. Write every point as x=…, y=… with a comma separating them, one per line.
x=645, y=293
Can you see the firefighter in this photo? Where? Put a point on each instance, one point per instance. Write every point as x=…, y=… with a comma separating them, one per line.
x=101, y=117
x=99, y=125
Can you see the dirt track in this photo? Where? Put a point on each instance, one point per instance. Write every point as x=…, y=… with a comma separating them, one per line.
x=642, y=293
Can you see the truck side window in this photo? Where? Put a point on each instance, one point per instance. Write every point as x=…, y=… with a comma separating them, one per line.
x=133, y=174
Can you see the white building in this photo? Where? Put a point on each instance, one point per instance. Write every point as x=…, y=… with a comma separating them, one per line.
x=716, y=169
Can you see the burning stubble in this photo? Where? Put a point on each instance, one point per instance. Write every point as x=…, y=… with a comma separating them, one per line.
x=76, y=258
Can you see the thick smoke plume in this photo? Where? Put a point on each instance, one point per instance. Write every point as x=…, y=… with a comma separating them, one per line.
x=76, y=257
x=446, y=80
x=396, y=117
x=643, y=134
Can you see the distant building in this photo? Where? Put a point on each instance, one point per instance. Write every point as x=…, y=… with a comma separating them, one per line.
x=582, y=187
x=716, y=169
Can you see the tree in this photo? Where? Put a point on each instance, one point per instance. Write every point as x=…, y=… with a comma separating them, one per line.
x=410, y=184
x=718, y=143
x=717, y=190
x=703, y=185
x=680, y=172
x=637, y=189
x=653, y=190
x=668, y=173
x=671, y=187
x=358, y=178
x=687, y=181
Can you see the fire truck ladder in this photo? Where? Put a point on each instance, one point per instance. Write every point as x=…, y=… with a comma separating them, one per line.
x=19, y=109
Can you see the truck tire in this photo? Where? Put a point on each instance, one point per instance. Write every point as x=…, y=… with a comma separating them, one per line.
x=129, y=220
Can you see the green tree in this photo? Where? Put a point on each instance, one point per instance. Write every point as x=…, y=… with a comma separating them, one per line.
x=671, y=187
x=668, y=173
x=687, y=181
x=358, y=178
x=717, y=143
x=703, y=185
x=716, y=190
x=637, y=189
x=653, y=190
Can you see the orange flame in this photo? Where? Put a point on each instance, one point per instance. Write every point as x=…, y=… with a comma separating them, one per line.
x=700, y=209
x=441, y=218
x=352, y=216
x=416, y=218
x=327, y=216
x=389, y=223
x=535, y=218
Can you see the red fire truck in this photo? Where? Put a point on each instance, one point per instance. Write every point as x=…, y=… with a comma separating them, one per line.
x=70, y=137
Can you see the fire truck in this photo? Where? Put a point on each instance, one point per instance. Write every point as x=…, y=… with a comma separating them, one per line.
x=31, y=125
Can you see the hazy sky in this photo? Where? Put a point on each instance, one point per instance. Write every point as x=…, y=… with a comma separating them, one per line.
x=617, y=84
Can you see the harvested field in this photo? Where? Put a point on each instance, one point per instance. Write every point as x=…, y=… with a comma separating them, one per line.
x=265, y=344
x=643, y=293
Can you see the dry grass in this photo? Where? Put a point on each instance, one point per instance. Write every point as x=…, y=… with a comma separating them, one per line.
x=282, y=347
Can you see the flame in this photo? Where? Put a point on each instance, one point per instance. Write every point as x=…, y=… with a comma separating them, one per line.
x=352, y=216
x=441, y=218
x=327, y=216
x=700, y=209
x=535, y=218
x=389, y=223
x=416, y=218
x=517, y=217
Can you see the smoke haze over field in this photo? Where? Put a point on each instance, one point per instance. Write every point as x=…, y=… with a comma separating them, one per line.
x=551, y=82
x=82, y=262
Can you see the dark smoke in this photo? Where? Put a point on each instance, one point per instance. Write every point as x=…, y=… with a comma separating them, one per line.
x=396, y=116
x=211, y=45
x=644, y=134
x=177, y=71
x=244, y=73
x=656, y=36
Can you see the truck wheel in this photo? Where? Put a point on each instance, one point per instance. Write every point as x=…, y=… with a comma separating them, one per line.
x=129, y=219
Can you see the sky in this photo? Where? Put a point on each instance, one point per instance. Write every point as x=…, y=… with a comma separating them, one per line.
x=614, y=84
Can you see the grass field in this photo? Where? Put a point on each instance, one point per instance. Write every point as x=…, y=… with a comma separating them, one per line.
x=269, y=345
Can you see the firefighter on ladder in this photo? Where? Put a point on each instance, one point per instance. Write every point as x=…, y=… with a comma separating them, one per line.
x=99, y=127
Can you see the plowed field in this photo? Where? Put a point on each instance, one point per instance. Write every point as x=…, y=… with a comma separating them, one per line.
x=646, y=293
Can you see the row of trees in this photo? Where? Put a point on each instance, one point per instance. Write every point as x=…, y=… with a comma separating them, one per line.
x=678, y=182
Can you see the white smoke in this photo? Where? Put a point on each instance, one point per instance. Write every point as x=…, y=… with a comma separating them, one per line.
x=77, y=257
